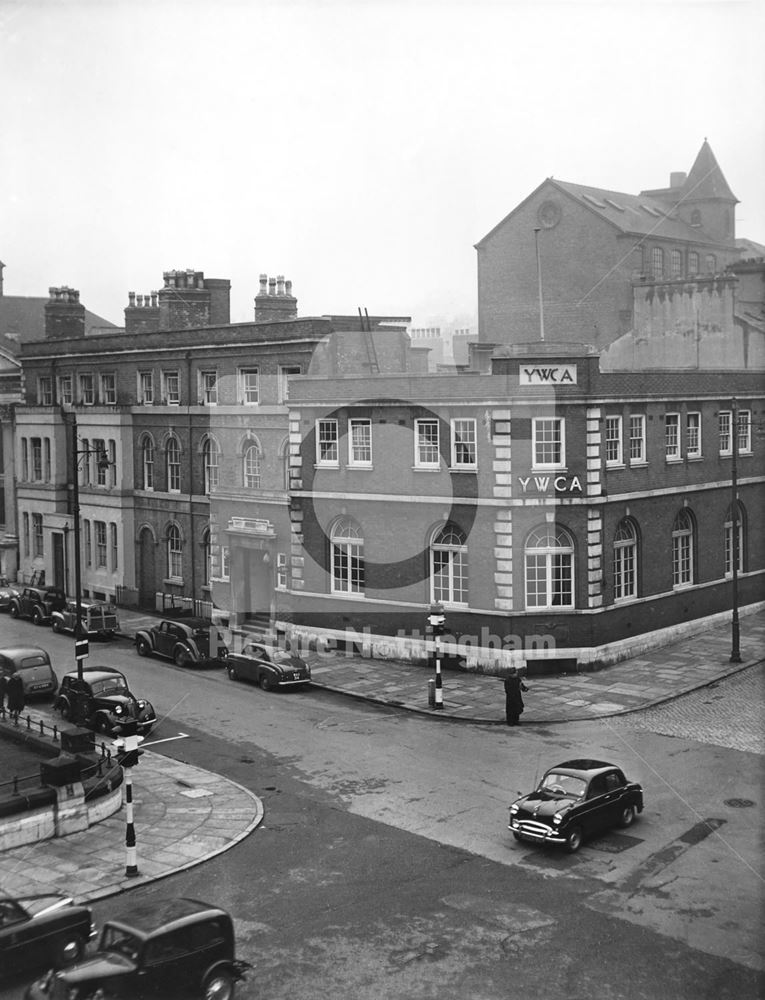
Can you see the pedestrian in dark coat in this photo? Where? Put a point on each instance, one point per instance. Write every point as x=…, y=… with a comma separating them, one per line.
x=513, y=697
x=15, y=691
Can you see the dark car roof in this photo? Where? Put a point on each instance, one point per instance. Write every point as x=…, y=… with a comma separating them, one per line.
x=146, y=918
x=14, y=651
x=96, y=673
x=188, y=622
x=583, y=767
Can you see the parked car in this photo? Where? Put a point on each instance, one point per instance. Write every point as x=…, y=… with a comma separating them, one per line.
x=7, y=593
x=39, y=931
x=103, y=701
x=37, y=603
x=166, y=948
x=34, y=666
x=575, y=800
x=191, y=642
x=269, y=667
x=98, y=620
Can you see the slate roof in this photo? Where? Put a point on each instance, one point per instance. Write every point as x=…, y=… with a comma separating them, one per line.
x=23, y=318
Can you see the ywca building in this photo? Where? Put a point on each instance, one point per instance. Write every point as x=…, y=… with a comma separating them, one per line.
x=558, y=512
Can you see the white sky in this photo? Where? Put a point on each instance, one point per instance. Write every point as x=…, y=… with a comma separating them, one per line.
x=360, y=149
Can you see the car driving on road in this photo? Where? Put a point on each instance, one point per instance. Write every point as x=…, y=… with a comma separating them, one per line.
x=575, y=800
x=103, y=701
x=41, y=930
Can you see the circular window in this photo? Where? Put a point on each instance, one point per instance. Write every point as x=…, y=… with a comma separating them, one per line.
x=549, y=214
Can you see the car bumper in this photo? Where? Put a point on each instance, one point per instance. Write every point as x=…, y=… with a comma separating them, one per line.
x=536, y=833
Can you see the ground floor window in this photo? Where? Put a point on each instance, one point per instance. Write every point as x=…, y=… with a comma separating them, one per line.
x=625, y=561
x=347, y=558
x=449, y=565
x=549, y=568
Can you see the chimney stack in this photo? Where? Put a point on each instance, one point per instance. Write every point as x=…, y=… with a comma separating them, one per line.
x=677, y=178
x=64, y=314
x=277, y=303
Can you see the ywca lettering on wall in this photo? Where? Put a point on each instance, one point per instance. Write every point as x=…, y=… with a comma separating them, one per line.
x=544, y=484
x=547, y=375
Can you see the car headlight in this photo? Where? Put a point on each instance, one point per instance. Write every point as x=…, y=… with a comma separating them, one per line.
x=118, y=709
x=513, y=809
x=142, y=705
x=557, y=818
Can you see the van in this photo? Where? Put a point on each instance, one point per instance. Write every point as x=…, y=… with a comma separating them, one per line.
x=34, y=666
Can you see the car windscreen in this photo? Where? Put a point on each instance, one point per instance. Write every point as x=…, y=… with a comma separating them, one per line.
x=564, y=784
x=111, y=685
x=121, y=941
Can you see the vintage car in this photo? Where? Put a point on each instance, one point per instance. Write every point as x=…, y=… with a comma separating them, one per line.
x=189, y=643
x=575, y=800
x=267, y=666
x=39, y=931
x=98, y=620
x=165, y=948
x=33, y=665
x=103, y=701
x=7, y=593
x=37, y=603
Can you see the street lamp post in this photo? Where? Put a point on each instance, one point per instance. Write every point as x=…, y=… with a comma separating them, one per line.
x=735, y=655
x=436, y=620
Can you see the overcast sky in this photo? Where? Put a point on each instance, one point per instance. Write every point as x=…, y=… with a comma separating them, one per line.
x=359, y=148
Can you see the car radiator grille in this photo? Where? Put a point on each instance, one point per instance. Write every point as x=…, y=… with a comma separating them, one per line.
x=532, y=827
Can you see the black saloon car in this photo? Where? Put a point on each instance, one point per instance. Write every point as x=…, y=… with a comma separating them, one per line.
x=191, y=642
x=37, y=603
x=166, y=948
x=38, y=931
x=103, y=701
x=575, y=800
x=269, y=667
x=7, y=593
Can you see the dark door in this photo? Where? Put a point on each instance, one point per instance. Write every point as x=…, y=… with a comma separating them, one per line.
x=147, y=558
x=59, y=561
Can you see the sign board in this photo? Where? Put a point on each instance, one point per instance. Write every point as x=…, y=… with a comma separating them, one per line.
x=80, y=648
x=547, y=375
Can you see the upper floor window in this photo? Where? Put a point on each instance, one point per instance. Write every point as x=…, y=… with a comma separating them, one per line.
x=682, y=549
x=45, y=390
x=37, y=536
x=672, y=437
x=449, y=565
x=100, y=462
x=147, y=463
x=548, y=435
x=108, y=388
x=284, y=373
x=146, y=388
x=249, y=386
x=734, y=541
x=174, y=552
x=359, y=442
x=693, y=435
x=252, y=467
x=744, y=425
x=88, y=543
x=347, y=558
x=225, y=562
x=625, y=560
x=710, y=263
x=464, y=443
x=693, y=263
x=327, y=452
x=171, y=388
x=37, y=459
x=549, y=568
x=676, y=263
x=87, y=391
x=65, y=390
x=744, y=429
x=210, y=455
x=637, y=438
x=426, y=444
x=115, y=547
x=282, y=571
x=208, y=388
x=657, y=262
x=613, y=440
x=173, y=456
x=101, y=550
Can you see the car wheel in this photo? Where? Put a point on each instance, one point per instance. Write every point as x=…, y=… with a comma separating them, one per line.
x=37, y=618
x=14, y=611
x=181, y=657
x=102, y=725
x=56, y=625
x=574, y=839
x=266, y=683
x=69, y=949
x=143, y=647
x=232, y=674
x=627, y=816
x=219, y=986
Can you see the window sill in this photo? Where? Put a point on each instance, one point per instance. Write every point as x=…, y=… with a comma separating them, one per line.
x=326, y=465
x=426, y=468
x=347, y=595
x=463, y=468
x=673, y=459
x=175, y=581
x=638, y=463
x=549, y=469
x=615, y=465
x=360, y=466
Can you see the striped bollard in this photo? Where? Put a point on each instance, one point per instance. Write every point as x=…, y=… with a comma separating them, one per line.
x=436, y=619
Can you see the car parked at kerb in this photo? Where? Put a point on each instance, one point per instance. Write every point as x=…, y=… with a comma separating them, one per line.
x=33, y=665
x=103, y=701
x=575, y=800
x=97, y=620
x=268, y=666
x=193, y=642
x=166, y=948
x=39, y=931
x=37, y=603
x=7, y=593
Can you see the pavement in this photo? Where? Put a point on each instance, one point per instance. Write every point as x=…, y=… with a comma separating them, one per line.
x=185, y=815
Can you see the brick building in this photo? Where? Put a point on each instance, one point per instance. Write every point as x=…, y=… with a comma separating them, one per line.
x=559, y=512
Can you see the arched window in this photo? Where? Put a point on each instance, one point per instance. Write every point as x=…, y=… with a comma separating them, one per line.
x=347, y=557
x=549, y=568
x=174, y=552
x=711, y=263
x=251, y=465
x=173, y=456
x=657, y=262
x=147, y=463
x=682, y=549
x=676, y=264
x=693, y=263
x=625, y=560
x=730, y=538
x=210, y=455
x=284, y=454
x=449, y=565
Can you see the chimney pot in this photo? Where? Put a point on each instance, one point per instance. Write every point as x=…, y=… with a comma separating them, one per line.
x=131, y=298
x=154, y=300
x=288, y=287
x=280, y=284
x=272, y=286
